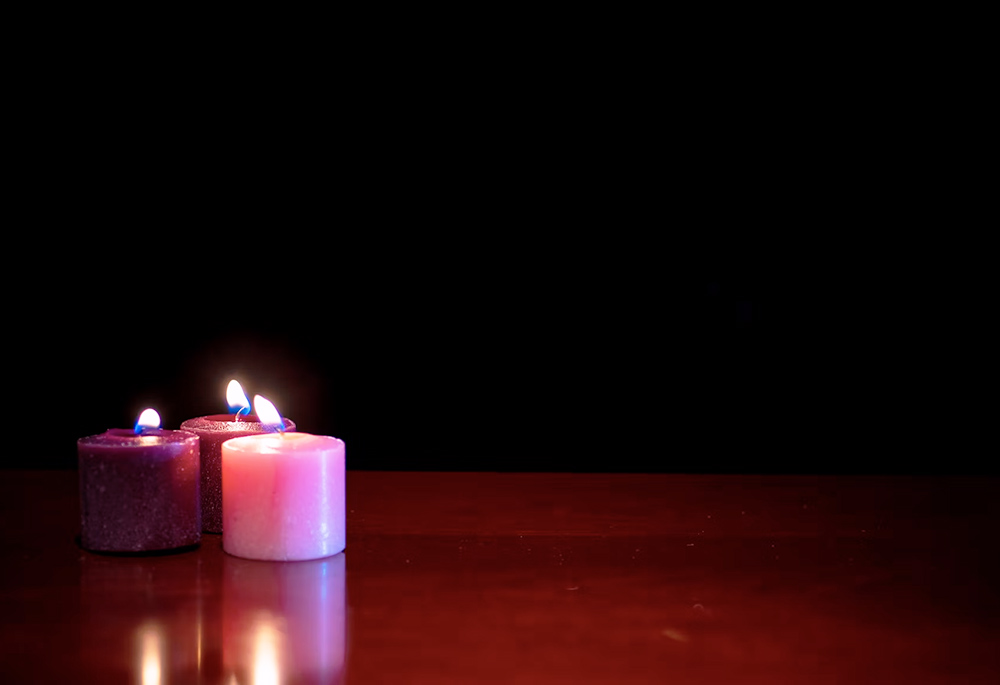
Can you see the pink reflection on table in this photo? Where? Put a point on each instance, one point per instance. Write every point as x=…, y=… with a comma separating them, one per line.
x=150, y=651
x=283, y=621
x=142, y=619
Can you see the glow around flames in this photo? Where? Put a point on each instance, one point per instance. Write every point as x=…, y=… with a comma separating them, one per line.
x=267, y=414
x=147, y=419
x=238, y=401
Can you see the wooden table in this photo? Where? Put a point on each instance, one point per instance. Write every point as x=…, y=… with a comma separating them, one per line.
x=531, y=578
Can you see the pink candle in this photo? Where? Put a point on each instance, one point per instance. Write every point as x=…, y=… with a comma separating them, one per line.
x=213, y=431
x=282, y=494
x=139, y=488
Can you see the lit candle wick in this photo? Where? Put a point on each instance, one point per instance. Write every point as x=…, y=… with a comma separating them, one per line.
x=235, y=397
x=268, y=415
x=147, y=419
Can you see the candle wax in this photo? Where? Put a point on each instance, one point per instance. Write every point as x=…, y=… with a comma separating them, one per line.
x=213, y=431
x=283, y=496
x=139, y=493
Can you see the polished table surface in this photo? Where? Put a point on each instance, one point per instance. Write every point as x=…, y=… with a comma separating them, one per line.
x=531, y=578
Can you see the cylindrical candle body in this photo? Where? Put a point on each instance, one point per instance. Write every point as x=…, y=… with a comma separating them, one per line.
x=284, y=622
x=283, y=496
x=139, y=493
x=213, y=431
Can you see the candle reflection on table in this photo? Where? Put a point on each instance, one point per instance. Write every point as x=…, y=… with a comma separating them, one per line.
x=149, y=652
x=142, y=607
x=283, y=621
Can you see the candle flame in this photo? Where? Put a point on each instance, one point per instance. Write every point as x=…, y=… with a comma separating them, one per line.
x=238, y=401
x=147, y=419
x=267, y=414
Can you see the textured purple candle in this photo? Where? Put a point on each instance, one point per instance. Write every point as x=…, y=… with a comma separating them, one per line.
x=213, y=431
x=139, y=493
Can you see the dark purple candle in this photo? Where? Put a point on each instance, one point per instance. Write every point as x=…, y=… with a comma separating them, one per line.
x=139, y=492
x=213, y=431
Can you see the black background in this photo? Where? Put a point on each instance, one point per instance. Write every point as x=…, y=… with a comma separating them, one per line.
x=475, y=347
x=481, y=265
x=470, y=293
x=457, y=264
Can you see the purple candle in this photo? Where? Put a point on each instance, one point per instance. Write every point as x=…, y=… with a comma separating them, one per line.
x=213, y=431
x=139, y=489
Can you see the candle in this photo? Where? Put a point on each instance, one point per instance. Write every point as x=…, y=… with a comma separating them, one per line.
x=213, y=431
x=139, y=488
x=282, y=493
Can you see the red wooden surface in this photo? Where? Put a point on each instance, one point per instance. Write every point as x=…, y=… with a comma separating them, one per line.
x=531, y=578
